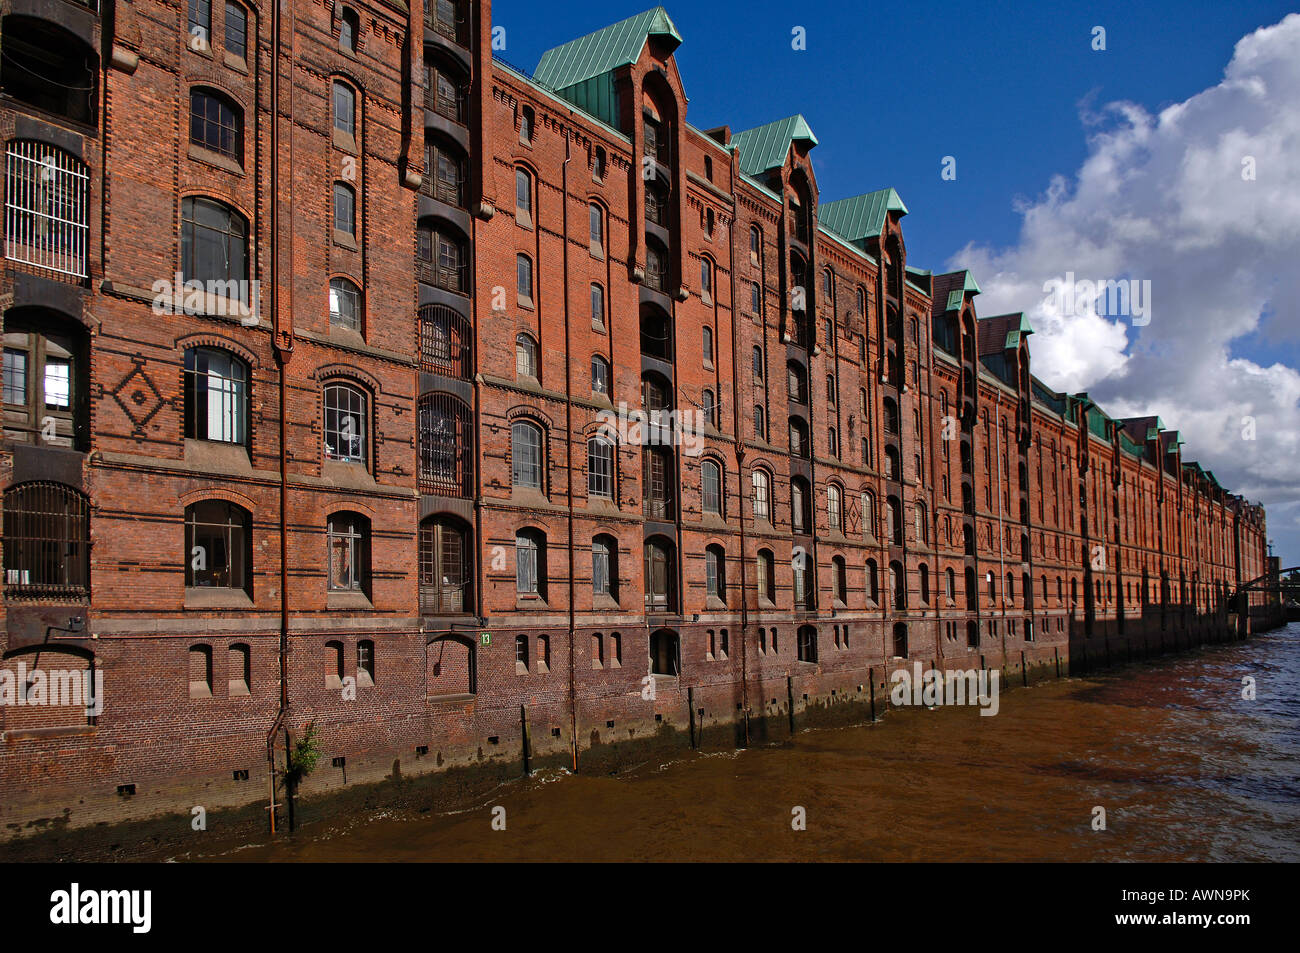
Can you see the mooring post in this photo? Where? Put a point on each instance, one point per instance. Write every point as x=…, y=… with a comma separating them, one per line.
x=1056, y=650
x=789, y=697
x=690, y=704
x=871, y=684
x=1024, y=672
x=523, y=734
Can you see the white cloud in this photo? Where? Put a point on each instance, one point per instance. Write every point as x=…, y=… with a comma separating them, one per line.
x=1162, y=198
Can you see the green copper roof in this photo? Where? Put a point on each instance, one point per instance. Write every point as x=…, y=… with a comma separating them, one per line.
x=1017, y=331
x=765, y=147
x=862, y=216
x=607, y=49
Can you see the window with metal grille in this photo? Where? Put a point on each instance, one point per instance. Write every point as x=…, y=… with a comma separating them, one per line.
x=216, y=396
x=526, y=455
x=600, y=468
x=444, y=567
x=345, y=305
x=445, y=447
x=214, y=247
x=46, y=542
x=346, y=419
x=45, y=207
x=216, y=124
x=445, y=342
x=348, y=545
x=217, y=545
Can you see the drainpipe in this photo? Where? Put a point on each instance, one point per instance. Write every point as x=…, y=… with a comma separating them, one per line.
x=568, y=443
x=740, y=460
x=282, y=344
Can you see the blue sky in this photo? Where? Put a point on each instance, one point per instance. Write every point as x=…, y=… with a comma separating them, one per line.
x=1020, y=98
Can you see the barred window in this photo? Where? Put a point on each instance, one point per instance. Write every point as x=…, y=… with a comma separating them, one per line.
x=45, y=207
x=345, y=304
x=46, y=542
x=214, y=245
x=217, y=545
x=445, y=342
x=216, y=396
x=445, y=446
x=526, y=455
x=348, y=536
x=711, y=487
x=346, y=416
x=216, y=124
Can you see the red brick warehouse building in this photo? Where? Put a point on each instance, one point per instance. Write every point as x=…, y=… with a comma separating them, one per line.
x=363, y=473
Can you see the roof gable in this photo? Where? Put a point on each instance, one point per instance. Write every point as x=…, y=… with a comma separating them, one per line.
x=861, y=217
x=598, y=53
x=765, y=147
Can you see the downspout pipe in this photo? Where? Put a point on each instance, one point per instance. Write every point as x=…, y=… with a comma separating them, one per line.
x=740, y=460
x=568, y=445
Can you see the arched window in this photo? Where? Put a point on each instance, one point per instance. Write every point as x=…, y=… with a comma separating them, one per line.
x=799, y=445
x=46, y=542
x=711, y=487
x=755, y=245
x=604, y=566
x=600, y=468
x=214, y=246
x=760, y=422
x=346, y=423
x=806, y=643
x=715, y=572
x=922, y=533
x=239, y=669
x=870, y=526
x=755, y=298
x=524, y=280
x=530, y=562
x=526, y=468
x=523, y=197
x=800, y=506
x=46, y=211
x=900, y=640
x=527, y=118
x=49, y=68
x=218, y=548
x=894, y=521
x=873, y=582
x=216, y=396
x=897, y=585
x=216, y=123
x=598, y=164
x=893, y=469
x=349, y=30
x=200, y=671
x=891, y=417
x=444, y=249
x=525, y=356
x=596, y=218
x=521, y=655
x=707, y=345
x=765, y=568
x=446, y=574
x=706, y=280
x=833, y=506
x=345, y=305
x=597, y=307
x=236, y=30
x=708, y=408
x=444, y=166
x=348, y=537
x=656, y=268
x=445, y=89
x=925, y=584
x=798, y=382
x=665, y=653
x=950, y=585
x=839, y=579
x=445, y=342
x=757, y=363
x=345, y=111
x=599, y=375
x=762, y=495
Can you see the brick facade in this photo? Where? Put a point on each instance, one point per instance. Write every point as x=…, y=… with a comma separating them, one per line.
x=927, y=497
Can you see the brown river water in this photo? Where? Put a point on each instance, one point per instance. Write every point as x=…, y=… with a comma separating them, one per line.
x=1186, y=769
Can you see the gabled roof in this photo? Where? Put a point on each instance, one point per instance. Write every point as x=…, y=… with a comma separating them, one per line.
x=607, y=49
x=1001, y=332
x=1143, y=428
x=765, y=147
x=950, y=291
x=862, y=216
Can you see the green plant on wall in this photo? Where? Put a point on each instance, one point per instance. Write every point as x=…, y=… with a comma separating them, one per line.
x=303, y=756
